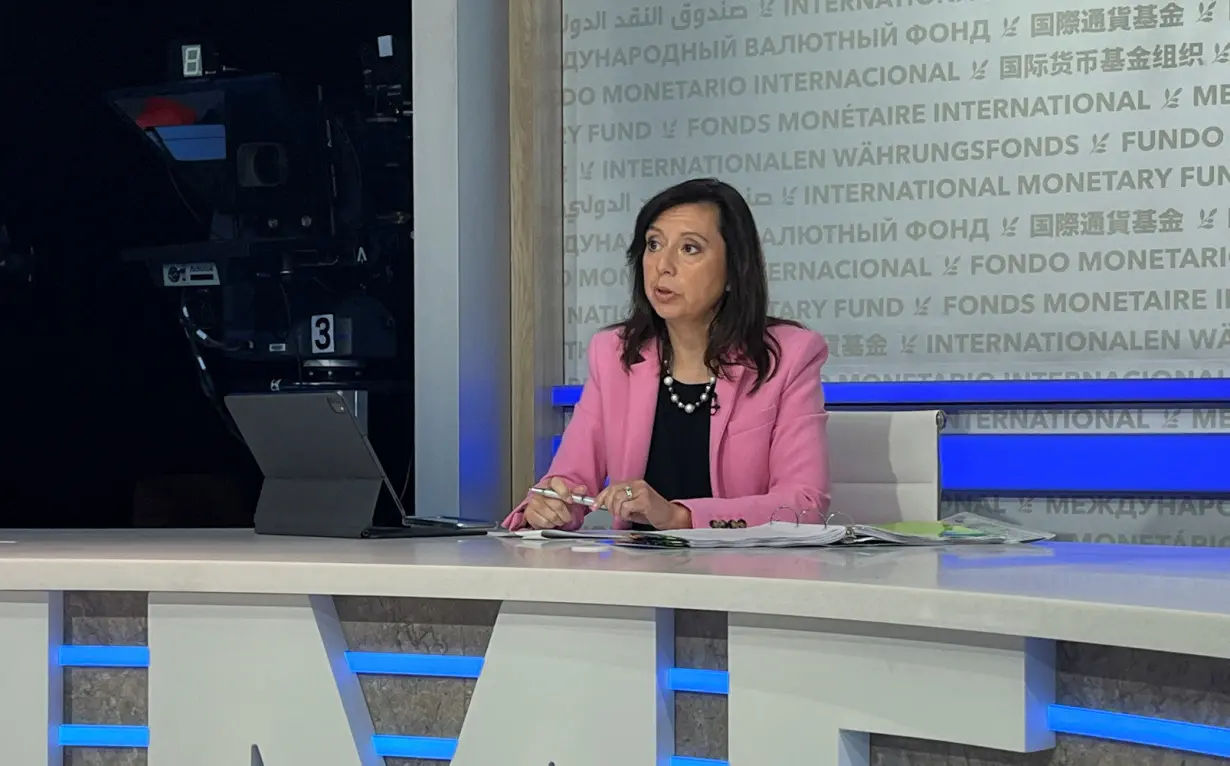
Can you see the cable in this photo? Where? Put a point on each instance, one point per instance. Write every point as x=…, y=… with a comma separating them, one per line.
x=405, y=485
x=200, y=336
x=354, y=153
x=350, y=214
x=210, y=391
x=290, y=330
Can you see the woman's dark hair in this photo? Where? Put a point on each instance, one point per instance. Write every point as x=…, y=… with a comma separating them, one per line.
x=738, y=334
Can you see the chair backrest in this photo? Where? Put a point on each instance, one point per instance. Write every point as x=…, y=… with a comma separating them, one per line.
x=885, y=466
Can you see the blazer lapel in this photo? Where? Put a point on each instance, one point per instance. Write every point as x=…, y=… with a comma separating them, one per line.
x=727, y=390
x=643, y=382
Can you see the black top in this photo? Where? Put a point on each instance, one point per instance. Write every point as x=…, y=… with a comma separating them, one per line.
x=678, y=466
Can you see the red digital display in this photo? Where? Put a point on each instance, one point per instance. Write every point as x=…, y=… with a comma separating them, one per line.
x=162, y=112
x=180, y=109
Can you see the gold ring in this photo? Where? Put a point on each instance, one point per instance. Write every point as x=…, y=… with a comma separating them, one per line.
x=628, y=491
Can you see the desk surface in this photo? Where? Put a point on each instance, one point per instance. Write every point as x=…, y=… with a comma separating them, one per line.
x=1168, y=599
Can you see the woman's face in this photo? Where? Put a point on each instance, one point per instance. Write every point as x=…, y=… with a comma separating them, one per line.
x=685, y=263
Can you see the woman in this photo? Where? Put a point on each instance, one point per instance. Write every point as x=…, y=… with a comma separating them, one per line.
x=703, y=410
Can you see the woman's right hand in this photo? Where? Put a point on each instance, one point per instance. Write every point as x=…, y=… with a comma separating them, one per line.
x=543, y=512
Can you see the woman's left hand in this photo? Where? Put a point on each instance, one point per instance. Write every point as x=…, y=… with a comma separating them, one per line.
x=637, y=502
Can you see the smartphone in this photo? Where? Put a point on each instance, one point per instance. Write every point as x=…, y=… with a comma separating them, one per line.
x=453, y=522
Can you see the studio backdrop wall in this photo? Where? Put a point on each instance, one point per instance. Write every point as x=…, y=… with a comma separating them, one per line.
x=949, y=191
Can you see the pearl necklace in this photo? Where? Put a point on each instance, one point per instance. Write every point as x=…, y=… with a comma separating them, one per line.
x=706, y=396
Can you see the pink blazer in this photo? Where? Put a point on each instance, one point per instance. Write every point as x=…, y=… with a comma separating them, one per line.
x=767, y=450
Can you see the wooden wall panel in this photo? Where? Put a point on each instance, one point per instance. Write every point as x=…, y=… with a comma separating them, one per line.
x=537, y=200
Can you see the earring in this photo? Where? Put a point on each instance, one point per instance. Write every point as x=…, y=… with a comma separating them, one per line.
x=727, y=288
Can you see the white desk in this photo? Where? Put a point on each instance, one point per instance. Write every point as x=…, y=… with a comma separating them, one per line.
x=823, y=646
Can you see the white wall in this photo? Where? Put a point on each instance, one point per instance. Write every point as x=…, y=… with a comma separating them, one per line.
x=947, y=189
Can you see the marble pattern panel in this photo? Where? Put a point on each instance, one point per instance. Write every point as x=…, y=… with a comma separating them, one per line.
x=105, y=756
x=104, y=618
x=700, y=719
x=423, y=626
x=105, y=695
x=427, y=707
x=1175, y=686
x=700, y=639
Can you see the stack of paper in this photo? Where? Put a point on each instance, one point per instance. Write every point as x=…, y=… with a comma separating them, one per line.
x=776, y=534
x=962, y=529
x=772, y=535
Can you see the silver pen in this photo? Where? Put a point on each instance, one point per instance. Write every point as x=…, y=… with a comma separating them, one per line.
x=578, y=499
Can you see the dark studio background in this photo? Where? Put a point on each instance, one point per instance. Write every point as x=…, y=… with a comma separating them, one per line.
x=104, y=420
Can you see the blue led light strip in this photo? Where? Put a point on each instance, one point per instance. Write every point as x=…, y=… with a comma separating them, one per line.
x=422, y=748
x=1081, y=464
x=1062, y=719
x=1140, y=730
x=698, y=681
x=89, y=735
x=957, y=394
x=363, y=663
x=387, y=745
x=1085, y=463
x=104, y=656
x=394, y=664
x=1100, y=724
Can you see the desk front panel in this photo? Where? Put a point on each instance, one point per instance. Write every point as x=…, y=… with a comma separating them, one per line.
x=1173, y=687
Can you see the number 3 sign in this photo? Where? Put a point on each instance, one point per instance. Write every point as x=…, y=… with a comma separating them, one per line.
x=322, y=334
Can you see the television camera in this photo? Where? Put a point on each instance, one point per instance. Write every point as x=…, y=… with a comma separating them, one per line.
x=303, y=200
